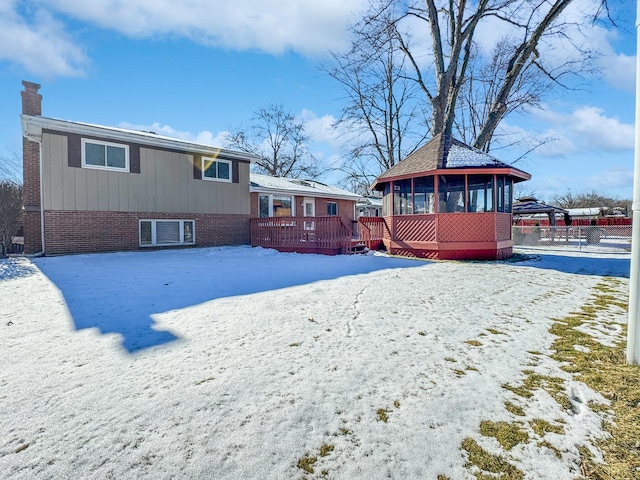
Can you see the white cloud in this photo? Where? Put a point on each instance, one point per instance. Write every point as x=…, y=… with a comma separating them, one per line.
x=38, y=44
x=321, y=129
x=205, y=137
x=619, y=70
x=586, y=129
x=617, y=178
x=309, y=27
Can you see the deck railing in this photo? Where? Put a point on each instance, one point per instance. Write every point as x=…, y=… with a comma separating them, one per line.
x=327, y=235
x=371, y=231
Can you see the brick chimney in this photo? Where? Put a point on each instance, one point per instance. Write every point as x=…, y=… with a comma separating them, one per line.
x=31, y=99
x=31, y=105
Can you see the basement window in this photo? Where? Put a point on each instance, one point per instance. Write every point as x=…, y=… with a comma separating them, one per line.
x=105, y=155
x=166, y=233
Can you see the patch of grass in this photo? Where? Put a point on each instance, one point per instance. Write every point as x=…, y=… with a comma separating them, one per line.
x=486, y=462
x=605, y=370
x=459, y=372
x=471, y=368
x=534, y=381
x=306, y=463
x=382, y=415
x=495, y=332
x=396, y=403
x=534, y=352
x=540, y=427
x=507, y=434
x=515, y=409
x=520, y=391
x=443, y=477
x=449, y=359
x=326, y=449
x=296, y=344
x=473, y=343
x=421, y=333
x=554, y=449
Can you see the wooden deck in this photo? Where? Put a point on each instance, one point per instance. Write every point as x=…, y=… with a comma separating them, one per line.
x=324, y=235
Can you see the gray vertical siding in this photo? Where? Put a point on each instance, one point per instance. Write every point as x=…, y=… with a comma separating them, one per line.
x=165, y=184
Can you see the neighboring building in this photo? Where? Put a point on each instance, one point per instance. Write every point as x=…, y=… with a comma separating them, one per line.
x=304, y=215
x=369, y=207
x=448, y=200
x=91, y=188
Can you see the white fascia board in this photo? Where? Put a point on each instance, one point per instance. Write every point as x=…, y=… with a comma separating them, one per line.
x=303, y=193
x=32, y=126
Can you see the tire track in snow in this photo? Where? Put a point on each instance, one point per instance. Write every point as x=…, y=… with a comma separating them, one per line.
x=356, y=306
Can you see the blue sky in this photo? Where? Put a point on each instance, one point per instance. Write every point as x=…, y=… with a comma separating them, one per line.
x=196, y=68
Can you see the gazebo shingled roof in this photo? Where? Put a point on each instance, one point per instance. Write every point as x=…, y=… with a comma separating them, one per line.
x=531, y=206
x=444, y=152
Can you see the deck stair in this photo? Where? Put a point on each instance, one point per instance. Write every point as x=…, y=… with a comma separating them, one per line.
x=356, y=246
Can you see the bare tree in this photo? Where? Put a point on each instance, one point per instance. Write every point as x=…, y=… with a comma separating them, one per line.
x=590, y=199
x=279, y=139
x=11, y=165
x=10, y=213
x=383, y=119
x=464, y=88
x=523, y=190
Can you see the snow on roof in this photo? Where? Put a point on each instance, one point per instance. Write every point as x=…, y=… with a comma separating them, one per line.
x=530, y=206
x=445, y=152
x=372, y=201
x=32, y=126
x=310, y=188
x=584, y=212
x=461, y=155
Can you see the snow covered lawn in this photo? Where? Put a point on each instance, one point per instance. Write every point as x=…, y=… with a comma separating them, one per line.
x=248, y=363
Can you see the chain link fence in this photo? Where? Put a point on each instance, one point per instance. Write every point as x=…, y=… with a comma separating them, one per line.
x=590, y=237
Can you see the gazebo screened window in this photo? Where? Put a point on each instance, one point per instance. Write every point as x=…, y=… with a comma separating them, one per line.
x=402, y=198
x=451, y=193
x=423, y=195
x=503, y=193
x=456, y=193
x=480, y=188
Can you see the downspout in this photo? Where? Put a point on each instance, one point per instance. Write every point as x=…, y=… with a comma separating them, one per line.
x=41, y=198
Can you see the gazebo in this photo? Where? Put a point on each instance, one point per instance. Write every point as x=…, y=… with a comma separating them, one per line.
x=528, y=207
x=448, y=200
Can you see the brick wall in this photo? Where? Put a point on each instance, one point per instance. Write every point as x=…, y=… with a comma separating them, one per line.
x=83, y=232
x=345, y=207
x=31, y=105
x=31, y=99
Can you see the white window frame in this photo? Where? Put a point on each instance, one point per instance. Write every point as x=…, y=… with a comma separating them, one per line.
x=217, y=161
x=293, y=204
x=153, y=232
x=105, y=144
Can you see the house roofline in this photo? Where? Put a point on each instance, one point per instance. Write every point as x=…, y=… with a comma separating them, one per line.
x=511, y=171
x=33, y=125
x=303, y=193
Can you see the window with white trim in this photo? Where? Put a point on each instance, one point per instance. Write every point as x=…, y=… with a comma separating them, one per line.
x=275, y=206
x=216, y=170
x=105, y=155
x=165, y=233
